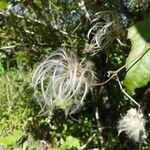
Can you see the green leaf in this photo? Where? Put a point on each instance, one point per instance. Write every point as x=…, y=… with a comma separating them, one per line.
x=70, y=142
x=9, y=140
x=138, y=61
x=3, y=4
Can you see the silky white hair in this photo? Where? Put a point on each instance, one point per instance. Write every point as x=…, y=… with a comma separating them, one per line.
x=106, y=28
x=133, y=124
x=63, y=81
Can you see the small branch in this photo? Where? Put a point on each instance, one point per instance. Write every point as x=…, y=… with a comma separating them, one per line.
x=88, y=141
x=122, y=44
x=64, y=33
x=102, y=83
x=125, y=93
x=83, y=7
x=115, y=73
x=140, y=141
x=76, y=28
x=97, y=119
x=6, y=14
x=91, y=138
x=7, y=37
x=52, y=4
x=42, y=23
x=29, y=32
x=8, y=47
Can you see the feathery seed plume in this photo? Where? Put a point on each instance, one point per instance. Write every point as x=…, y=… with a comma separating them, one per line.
x=63, y=81
x=106, y=28
x=133, y=124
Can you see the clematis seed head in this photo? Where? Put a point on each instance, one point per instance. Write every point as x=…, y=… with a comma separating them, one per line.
x=133, y=124
x=62, y=82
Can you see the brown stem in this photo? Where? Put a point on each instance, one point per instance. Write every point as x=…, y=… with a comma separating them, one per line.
x=114, y=73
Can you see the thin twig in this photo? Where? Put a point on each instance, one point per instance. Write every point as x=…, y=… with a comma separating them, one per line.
x=88, y=141
x=83, y=7
x=120, y=85
x=114, y=73
x=36, y=21
x=91, y=138
x=97, y=119
x=76, y=28
x=122, y=44
x=140, y=141
x=8, y=47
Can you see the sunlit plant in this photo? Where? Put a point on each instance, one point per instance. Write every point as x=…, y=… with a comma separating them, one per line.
x=64, y=81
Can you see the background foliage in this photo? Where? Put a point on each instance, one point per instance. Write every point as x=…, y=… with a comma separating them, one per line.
x=30, y=31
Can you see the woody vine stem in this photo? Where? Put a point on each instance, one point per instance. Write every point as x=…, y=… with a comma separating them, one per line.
x=115, y=74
